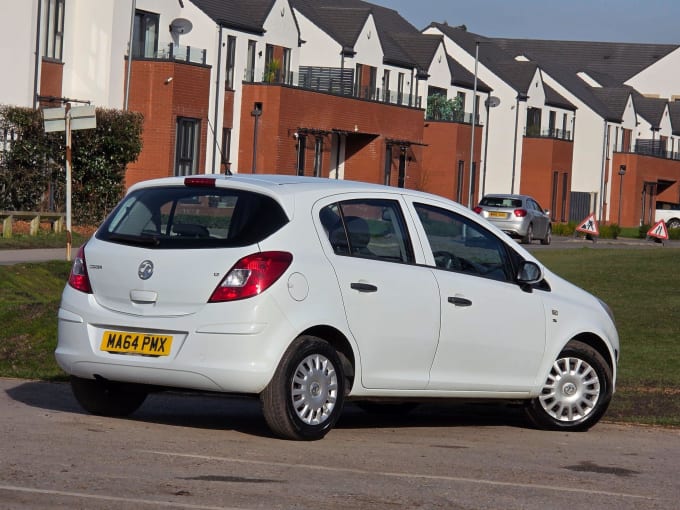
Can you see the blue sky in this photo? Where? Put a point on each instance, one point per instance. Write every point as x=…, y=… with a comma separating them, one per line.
x=635, y=21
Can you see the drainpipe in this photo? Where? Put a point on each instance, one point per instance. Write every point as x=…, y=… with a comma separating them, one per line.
x=37, y=57
x=605, y=142
x=129, y=62
x=217, y=96
x=514, y=145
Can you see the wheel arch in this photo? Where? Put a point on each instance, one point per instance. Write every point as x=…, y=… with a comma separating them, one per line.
x=600, y=346
x=343, y=347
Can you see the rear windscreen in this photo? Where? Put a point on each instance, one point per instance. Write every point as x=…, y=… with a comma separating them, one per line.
x=186, y=217
x=501, y=202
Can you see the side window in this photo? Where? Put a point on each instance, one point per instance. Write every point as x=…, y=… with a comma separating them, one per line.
x=461, y=245
x=368, y=228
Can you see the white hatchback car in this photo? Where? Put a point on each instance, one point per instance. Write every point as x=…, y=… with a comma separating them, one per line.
x=306, y=292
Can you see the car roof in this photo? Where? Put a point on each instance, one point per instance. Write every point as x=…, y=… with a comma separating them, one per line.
x=285, y=187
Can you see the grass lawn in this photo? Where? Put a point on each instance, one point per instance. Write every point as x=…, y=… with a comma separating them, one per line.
x=641, y=286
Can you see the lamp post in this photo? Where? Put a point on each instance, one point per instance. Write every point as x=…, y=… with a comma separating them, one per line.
x=473, y=123
x=622, y=172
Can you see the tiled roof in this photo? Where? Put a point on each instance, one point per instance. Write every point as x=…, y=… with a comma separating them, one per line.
x=464, y=78
x=619, y=61
x=674, y=112
x=615, y=99
x=650, y=108
x=554, y=98
x=421, y=48
x=247, y=16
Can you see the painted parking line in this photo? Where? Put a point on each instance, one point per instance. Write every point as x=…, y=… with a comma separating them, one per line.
x=390, y=474
x=98, y=497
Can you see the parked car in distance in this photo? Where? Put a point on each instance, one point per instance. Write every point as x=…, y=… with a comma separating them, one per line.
x=669, y=212
x=518, y=216
x=306, y=292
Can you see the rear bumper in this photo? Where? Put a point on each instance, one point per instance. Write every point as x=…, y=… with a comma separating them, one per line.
x=207, y=352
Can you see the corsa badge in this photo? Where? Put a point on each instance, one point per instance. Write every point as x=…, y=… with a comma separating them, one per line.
x=145, y=270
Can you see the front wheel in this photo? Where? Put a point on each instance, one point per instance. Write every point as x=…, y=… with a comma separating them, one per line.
x=304, y=399
x=673, y=223
x=576, y=393
x=106, y=399
x=548, y=236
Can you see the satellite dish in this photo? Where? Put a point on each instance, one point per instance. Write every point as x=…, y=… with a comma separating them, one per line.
x=492, y=101
x=180, y=26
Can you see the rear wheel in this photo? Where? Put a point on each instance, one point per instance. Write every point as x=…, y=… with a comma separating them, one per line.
x=529, y=236
x=548, y=236
x=576, y=393
x=106, y=399
x=304, y=399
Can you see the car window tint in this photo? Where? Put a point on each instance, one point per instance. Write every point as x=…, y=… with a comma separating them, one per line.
x=368, y=228
x=491, y=201
x=461, y=245
x=186, y=217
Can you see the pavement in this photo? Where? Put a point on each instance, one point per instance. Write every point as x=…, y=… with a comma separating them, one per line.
x=10, y=257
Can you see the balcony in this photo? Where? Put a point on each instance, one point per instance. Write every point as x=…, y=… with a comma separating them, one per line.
x=458, y=117
x=653, y=147
x=178, y=53
x=330, y=80
x=556, y=134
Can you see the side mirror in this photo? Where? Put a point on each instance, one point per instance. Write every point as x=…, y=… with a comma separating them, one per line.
x=529, y=273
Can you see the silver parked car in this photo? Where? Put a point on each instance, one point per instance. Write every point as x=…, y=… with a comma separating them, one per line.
x=518, y=216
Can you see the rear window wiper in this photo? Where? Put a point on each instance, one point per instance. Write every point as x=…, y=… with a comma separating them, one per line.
x=144, y=240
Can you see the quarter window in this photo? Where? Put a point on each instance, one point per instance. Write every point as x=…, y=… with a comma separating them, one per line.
x=373, y=229
x=461, y=245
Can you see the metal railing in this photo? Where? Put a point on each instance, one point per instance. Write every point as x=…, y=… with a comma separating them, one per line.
x=331, y=80
x=459, y=117
x=179, y=53
x=556, y=134
x=656, y=148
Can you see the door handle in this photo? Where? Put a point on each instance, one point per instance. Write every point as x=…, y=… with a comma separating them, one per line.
x=459, y=301
x=364, y=287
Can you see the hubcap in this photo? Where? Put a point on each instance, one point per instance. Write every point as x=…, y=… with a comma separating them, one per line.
x=314, y=389
x=571, y=391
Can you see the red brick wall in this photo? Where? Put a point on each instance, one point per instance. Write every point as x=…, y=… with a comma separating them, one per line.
x=161, y=102
x=51, y=76
x=541, y=157
x=287, y=109
x=447, y=143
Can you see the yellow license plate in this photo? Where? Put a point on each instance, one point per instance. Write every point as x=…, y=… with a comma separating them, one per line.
x=136, y=343
x=496, y=214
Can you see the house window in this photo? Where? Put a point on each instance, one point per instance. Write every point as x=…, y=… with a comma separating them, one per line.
x=373, y=82
x=186, y=145
x=145, y=38
x=285, y=68
x=388, y=165
x=533, y=122
x=358, y=80
x=226, y=145
x=231, y=61
x=552, y=118
x=54, y=33
x=250, y=62
x=564, y=126
x=386, y=85
x=400, y=88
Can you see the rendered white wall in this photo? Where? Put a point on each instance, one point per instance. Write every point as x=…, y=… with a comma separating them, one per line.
x=17, y=46
x=661, y=78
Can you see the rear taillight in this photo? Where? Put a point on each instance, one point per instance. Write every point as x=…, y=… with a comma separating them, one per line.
x=478, y=210
x=520, y=213
x=251, y=276
x=79, y=279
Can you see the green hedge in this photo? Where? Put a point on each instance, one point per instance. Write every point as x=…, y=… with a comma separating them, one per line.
x=32, y=166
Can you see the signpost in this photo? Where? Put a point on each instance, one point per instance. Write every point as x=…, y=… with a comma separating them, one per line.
x=67, y=119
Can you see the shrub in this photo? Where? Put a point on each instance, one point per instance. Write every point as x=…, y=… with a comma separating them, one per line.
x=32, y=173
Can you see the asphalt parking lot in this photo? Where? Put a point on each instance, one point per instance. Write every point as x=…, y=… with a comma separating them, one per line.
x=209, y=452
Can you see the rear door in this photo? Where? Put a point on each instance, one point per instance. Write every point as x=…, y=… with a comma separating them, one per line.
x=391, y=304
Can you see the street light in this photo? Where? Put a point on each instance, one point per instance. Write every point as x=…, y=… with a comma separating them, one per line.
x=622, y=172
x=472, y=124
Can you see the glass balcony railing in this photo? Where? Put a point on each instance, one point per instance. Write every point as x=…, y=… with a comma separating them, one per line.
x=182, y=54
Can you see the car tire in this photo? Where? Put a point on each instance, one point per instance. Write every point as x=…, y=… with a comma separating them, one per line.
x=548, y=236
x=576, y=393
x=529, y=236
x=673, y=223
x=304, y=399
x=106, y=399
